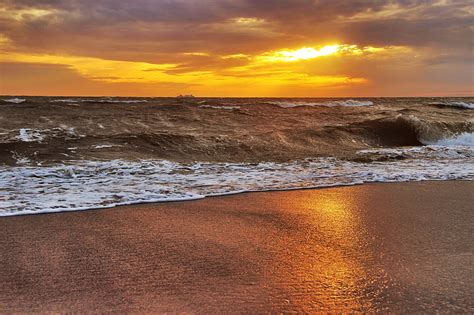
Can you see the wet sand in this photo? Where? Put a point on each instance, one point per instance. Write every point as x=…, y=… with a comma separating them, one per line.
x=404, y=248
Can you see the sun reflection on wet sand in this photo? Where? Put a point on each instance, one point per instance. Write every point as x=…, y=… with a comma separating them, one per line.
x=331, y=259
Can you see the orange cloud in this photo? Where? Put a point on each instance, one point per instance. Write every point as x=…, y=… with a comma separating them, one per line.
x=240, y=47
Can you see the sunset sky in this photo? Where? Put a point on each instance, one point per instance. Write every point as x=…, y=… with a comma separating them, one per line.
x=237, y=47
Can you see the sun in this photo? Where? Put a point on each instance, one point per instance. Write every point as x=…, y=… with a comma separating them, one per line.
x=310, y=53
x=304, y=53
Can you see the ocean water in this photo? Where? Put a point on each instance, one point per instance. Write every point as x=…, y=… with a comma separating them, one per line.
x=63, y=154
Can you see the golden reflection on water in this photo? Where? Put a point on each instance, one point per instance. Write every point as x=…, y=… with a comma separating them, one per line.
x=336, y=262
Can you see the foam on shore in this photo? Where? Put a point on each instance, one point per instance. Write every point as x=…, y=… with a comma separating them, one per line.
x=30, y=189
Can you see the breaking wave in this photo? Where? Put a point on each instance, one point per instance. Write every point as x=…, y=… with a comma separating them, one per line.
x=42, y=135
x=106, y=100
x=220, y=107
x=14, y=100
x=234, y=144
x=463, y=139
x=457, y=104
x=409, y=130
x=349, y=103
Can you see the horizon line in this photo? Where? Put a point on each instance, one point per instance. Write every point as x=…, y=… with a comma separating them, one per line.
x=177, y=96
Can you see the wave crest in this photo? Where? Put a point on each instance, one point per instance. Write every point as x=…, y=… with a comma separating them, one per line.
x=220, y=107
x=14, y=100
x=409, y=130
x=348, y=103
x=456, y=104
x=463, y=139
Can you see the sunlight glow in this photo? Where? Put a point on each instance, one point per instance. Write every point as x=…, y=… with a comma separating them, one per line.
x=96, y=68
x=4, y=41
x=199, y=54
x=302, y=53
x=22, y=14
x=248, y=21
x=243, y=74
x=307, y=53
x=235, y=56
x=337, y=268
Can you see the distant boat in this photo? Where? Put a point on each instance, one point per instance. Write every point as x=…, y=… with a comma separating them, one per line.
x=185, y=96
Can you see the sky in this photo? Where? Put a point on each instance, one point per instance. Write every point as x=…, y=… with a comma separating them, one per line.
x=243, y=48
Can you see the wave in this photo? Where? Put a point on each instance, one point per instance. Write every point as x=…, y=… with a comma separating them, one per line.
x=28, y=135
x=114, y=101
x=426, y=153
x=58, y=158
x=100, y=100
x=66, y=100
x=103, y=146
x=41, y=135
x=14, y=100
x=220, y=107
x=222, y=130
x=456, y=104
x=348, y=103
x=463, y=139
x=103, y=184
x=278, y=143
x=409, y=130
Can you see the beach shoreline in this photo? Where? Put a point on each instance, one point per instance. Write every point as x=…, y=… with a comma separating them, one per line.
x=226, y=194
x=397, y=247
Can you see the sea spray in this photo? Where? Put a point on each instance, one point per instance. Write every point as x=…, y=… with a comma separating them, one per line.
x=102, y=184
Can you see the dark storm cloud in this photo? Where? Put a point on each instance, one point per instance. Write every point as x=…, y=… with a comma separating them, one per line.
x=203, y=11
x=447, y=32
x=111, y=28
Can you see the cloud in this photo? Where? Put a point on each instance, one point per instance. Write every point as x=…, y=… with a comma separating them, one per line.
x=185, y=25
x=197, y=36
x=46, y=79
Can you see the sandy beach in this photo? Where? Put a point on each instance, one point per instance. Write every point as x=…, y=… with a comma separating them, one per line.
x=402, y=247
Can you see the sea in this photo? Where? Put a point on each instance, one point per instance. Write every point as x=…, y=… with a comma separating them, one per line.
x=77, y=153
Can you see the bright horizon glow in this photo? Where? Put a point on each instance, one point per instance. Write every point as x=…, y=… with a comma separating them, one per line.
x=304, y=53
x=263, y=73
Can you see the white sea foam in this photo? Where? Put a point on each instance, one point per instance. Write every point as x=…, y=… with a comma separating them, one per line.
x=113, y=100
x=348, y=103
x=20, y=159
x=101, y=184
x=73, y=101
x=15, y=100
x=121, y=101
x=220, y=107
x=434, y=153
x=30, y=135
x=66, y=100
x=39, y=135
x=463, y=139
x=104, y=146
x=455, y=104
